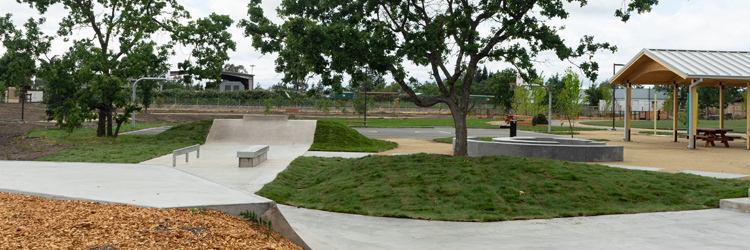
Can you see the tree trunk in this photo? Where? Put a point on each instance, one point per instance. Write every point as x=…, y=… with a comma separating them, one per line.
x=117, y=130
x=460, y=147
x=109, y=122
x=101, y=124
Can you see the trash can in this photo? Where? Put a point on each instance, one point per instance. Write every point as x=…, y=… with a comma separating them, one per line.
x=513, y=128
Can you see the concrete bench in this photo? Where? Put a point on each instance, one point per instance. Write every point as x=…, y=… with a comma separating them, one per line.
x=252, y=156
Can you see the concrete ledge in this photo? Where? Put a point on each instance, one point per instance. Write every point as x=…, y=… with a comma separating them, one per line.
x=738, y=204
x=579, y=150
x=253, y=151
x=253, y=156
x=264, y=118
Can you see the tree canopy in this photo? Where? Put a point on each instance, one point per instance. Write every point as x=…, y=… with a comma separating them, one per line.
x=121, y=48
x=331, y=39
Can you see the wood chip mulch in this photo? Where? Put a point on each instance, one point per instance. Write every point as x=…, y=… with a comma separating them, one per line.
x=29, y=222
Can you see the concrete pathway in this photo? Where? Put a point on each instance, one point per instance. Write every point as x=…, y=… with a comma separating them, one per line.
x=335, y=154
x=701, y=229
x=148, y=131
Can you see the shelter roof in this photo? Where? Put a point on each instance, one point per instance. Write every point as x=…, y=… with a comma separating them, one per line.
x=661, y=66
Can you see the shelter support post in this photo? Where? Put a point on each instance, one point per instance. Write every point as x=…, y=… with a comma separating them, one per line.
x=627, y=112
x=675, y=110
x=747, y=129
x=693, y=112
x=721, y=106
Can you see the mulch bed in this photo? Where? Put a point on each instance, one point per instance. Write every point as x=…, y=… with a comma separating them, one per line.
x=29, y=222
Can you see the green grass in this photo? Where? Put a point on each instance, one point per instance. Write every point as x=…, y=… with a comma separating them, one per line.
x=429, y=123
x=489, y=188
x=125, y=148
x=599, y=139
x=334, y=136
x=739, y=126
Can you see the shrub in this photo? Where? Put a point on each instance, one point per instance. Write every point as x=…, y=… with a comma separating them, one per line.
x=539, y=119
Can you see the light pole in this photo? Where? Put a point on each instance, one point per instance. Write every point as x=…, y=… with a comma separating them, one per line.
x=614, y=100
x=132, y=101
x=252, y=67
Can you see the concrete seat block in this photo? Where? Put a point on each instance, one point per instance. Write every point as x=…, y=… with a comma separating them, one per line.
x=738, y=204
x=253, y=151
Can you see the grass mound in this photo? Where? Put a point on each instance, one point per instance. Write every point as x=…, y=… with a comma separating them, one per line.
x=335, y=136
x=489, y=188
x=125, y=148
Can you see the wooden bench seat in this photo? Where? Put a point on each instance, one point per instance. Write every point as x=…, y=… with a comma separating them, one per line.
x=252, y=156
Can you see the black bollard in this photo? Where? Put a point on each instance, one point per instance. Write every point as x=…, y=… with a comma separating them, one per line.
x=513, y=128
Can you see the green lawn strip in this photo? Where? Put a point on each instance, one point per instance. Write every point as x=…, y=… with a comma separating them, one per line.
x=496, y=188
x=739, y=126
x=125, y=148
x=334, y=136
x=79, y=136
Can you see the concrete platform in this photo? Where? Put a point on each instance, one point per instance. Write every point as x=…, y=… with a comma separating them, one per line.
x=156, y=186
x=739, y=204
x=148, y=131
x=633, y=167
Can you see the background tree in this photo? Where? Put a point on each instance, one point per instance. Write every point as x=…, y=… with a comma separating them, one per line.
x=235, y=68
x=123, y=29
x=333, y=39
x=571, y=99
x=499, y=86
x=23, y=50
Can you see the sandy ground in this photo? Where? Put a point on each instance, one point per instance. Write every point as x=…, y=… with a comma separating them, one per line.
x=661, y=152
x=642, y=151
x=418, y=145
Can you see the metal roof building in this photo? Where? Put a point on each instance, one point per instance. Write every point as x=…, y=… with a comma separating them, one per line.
x=694, y=68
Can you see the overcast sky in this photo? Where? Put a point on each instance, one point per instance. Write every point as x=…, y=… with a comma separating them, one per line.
x=673, y=24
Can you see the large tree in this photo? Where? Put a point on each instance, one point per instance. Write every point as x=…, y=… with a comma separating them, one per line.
x=121, y=39
x=331, y=39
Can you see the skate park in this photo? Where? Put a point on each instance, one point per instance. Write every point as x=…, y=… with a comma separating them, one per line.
x=215, y=181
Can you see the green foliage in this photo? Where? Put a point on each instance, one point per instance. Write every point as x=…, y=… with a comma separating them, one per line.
x=539, y=119
x=324, y=106
x=335, y=136
x=529, y=100
x=124, y=148
x=360, y=37
x=255, y=219
x=200, y=210
x=499, y=85
x=269, y=106
x=23, y=50
x=437, y=187
x=358, y=103
x=159, y=102
x=569, y=103
x=121, y=48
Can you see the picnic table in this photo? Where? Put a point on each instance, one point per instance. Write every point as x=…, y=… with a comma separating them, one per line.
x=710, y=135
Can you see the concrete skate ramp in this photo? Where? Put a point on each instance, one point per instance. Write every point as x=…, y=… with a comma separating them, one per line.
x=261, y=130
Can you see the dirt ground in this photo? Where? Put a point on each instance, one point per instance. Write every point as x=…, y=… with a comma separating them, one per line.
x=418, y=145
